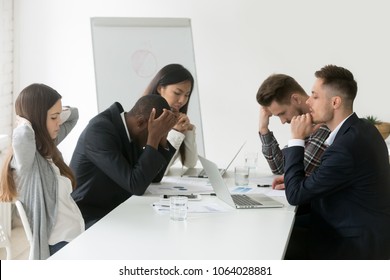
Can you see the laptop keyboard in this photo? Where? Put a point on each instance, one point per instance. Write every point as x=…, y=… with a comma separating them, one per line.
x=243, y=200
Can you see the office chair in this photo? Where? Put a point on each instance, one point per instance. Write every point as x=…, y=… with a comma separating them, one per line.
x=5, y=243
x=26, y=225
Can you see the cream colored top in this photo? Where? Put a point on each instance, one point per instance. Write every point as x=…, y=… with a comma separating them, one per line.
x=176, y=138
x=69, y=221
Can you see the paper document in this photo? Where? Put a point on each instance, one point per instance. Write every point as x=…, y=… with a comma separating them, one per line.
x=162, y=207
x=269, y=191
x=184, y=186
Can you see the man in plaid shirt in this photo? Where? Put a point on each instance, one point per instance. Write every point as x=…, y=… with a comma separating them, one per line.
x=280, y=95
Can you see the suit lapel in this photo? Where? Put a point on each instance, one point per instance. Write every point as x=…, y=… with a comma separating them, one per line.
x=346, y=125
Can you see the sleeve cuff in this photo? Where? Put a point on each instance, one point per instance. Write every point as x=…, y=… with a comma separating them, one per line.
x=175, y=138
x=296, y=142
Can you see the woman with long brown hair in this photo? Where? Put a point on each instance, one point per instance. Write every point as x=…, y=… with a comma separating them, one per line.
x=35, y=173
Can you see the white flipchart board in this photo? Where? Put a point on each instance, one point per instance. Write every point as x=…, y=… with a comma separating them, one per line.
x=128, y=52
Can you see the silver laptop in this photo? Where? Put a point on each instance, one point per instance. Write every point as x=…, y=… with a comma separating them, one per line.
x=239, y=201
x=201, y=173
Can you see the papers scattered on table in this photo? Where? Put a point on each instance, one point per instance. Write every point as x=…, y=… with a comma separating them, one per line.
x=262, y=180
x=193, y=207
x=241, y=190
x=267, y=191
x=271, y=192
x=187, y=185
x=161, y=207
x=173, y=185
x=265, y=180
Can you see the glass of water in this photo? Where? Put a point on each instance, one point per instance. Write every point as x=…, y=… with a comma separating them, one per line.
x=241, y=175
x=178, y=208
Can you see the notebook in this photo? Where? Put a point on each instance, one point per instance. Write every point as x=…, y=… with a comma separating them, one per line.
x=201, y=173
x=239, y=201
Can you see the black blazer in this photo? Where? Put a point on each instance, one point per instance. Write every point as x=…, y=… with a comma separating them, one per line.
x=109, y=168
x=349, y=194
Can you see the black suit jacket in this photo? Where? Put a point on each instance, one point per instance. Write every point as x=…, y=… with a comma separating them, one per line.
x=349, y=194
x=109, y=168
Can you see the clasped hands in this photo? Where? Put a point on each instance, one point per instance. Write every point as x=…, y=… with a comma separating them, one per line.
x=183, y=123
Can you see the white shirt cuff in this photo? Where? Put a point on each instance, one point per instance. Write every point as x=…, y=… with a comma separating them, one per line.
x=296, y=142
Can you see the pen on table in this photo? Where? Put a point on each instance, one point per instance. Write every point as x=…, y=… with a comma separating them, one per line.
x=212, y=194
x=161, y=205
x=263, y=186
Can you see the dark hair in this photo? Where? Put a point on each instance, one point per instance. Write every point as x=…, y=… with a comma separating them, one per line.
x=33, y=103
x=143, y=107
x=339, y=79
x=169, y=75
x=279, y=88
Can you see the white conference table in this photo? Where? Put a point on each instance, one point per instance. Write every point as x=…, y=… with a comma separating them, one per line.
x=136, y=231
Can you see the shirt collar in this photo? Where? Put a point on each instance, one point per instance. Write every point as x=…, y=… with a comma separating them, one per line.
x=332, y=135
x=124, y=123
